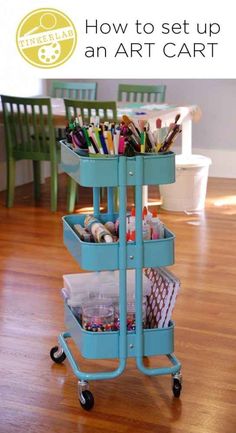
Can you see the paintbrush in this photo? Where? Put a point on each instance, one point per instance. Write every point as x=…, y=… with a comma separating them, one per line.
x=170, y=139
x=128, y=122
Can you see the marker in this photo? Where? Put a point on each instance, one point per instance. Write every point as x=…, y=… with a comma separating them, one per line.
x=116, y=139
x=99, y=144
x=143, y=141
x=110, y=142
x=103, y=142
x=121, y=146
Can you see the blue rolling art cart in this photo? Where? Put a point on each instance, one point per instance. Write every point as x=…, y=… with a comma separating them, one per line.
x=118, y=172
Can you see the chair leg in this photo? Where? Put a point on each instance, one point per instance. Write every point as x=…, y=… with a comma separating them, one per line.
x=11, y=174
x=37, y=179
x=71, y=194
x=54, y=186
x=103, y=193
x=116, y=199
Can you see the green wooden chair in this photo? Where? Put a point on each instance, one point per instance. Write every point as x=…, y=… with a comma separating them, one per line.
x=67, y=89
x=141, y=93
x=30, y=135
x=72, y=90
x=106, y=110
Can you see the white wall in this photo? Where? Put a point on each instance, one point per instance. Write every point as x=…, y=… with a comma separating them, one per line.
x=17, y=87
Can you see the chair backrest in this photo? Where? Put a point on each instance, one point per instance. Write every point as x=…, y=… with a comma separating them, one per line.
x=106, y=110
x=81, y=91
x=29, y=130
x=139, y=93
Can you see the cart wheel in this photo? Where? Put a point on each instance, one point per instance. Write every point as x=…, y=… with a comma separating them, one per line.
x=86, y=400
x=177, y=386
x=57, y=355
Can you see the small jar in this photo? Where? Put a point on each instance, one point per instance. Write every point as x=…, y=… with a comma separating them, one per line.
x=131, y=322
x=77, y=307
x=98, y=316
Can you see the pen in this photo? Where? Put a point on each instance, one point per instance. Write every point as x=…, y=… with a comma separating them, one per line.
x=97, y=136
x=110, y=142
x=121, y=146
x=103, y=142
x=88, y=142
x=143, y=141
x=116, y=139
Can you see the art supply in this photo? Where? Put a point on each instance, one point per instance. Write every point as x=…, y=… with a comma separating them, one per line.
x=176, y=288
x=157, y=227
x=143, y=141
x=109, y=142
x=93, y=139
x=164, y=287
x=111, y=227
x=84, y=235
x=116, y=138
x=174, y=130
x=127, y=138
x=130, y=321
x=98, y=316
x=171, y=137
x=146, y=228
x=151, y=138
x=131, y=225
x=128, y=122
x=146, y=231
x=97, y=136
x=157, y=134
x=103, y=141
x=121, y=146
x=97, y=229
x=147, y=216
x=148, y=144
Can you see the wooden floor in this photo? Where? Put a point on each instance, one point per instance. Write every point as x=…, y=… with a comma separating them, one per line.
x=38, y=396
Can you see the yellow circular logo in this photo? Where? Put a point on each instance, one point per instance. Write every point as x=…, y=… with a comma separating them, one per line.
x=46, y=38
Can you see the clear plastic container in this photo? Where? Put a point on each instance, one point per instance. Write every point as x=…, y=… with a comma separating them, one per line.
x=131, y=322
x=98, y=316
x=77, y=307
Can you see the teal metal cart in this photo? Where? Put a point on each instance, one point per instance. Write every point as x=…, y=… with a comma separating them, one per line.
x=118, y=171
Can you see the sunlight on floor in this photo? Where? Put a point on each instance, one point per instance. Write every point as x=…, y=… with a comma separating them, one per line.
x=226, y=204
x=229, y=200
x=88, y=209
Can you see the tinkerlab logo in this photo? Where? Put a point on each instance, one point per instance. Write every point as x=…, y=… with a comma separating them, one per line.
x=46, y=38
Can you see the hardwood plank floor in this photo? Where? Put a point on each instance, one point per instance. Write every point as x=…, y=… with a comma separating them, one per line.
x=39, y=396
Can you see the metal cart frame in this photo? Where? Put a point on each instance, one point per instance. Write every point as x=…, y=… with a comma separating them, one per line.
x=119, y=172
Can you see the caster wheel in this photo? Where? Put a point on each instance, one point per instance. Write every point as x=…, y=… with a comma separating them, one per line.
x=177, y=386
x=57, y=355
x=86, y=400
